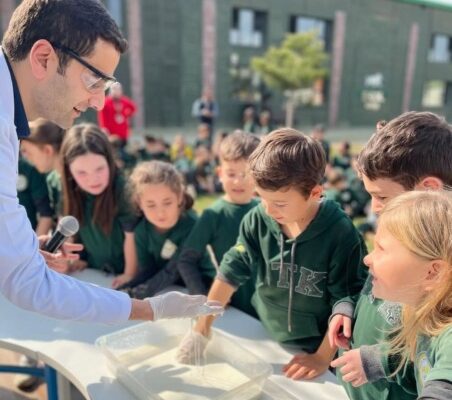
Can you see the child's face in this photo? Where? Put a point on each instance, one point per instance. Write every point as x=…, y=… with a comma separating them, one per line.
x=381, y=191
x=91, y=173
x=288, y=206
x=202, y=154
x=203, y=132
x=40, y=156
x=237, y=182
x=398, y=274
x=160, y=205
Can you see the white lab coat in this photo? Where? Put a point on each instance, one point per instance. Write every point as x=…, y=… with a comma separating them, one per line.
x=25, y=278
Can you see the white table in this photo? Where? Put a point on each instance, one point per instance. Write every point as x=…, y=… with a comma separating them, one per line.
x=68, y=347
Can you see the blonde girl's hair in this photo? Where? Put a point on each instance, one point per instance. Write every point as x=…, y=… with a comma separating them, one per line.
x=158, y=172
x=422, y=222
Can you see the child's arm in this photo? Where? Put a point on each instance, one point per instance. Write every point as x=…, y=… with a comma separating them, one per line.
x=188, y=267
x=436, y=390
x=345, y=281
x=220, y=291
x=193, y=251
x=147, y=285
x=234, y=271
x=351, y=367
x=372, y=363
x=196, y=341
x=130, y=258
x=308, y=366
x=340, y=322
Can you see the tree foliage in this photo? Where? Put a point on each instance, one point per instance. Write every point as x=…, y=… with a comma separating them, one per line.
x=296, y=64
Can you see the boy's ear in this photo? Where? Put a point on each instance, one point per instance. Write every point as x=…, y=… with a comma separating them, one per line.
x=316, y=192
x=430, y=183
x=218, y=171
x=43, y=59
x=48, y=150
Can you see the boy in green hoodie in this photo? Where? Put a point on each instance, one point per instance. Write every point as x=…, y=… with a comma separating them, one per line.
x=411, y=152
x=218, y=226
x=305, y=254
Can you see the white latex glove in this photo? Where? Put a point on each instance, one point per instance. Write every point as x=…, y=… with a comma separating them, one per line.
x=180, y=305
x=192, y=346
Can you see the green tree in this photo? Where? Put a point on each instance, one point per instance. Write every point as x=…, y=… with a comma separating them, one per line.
x=295, y=65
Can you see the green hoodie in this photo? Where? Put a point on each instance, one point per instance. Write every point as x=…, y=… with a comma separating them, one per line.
x=32, y=192
x=374, y=319
x=218, y=227
x=298, y=280
x=106, y=251
x=155, y=249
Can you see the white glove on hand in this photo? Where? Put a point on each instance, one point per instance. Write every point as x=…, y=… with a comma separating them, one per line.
x=192, y=348
x=179, y=305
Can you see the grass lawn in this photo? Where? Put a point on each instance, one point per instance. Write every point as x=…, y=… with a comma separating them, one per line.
x=204, y=201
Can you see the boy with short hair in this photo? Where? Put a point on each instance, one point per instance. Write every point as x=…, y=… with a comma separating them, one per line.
x=218, y=226
x=305, y=253
x=411, y=152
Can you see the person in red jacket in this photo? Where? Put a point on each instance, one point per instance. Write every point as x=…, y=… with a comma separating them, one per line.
x=114, y=117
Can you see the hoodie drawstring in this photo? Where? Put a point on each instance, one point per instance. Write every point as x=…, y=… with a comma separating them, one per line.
x=291, y=284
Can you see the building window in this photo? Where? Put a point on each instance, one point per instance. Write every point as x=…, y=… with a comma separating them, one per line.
x=437, y=94
x=248, y=27
x=440, y=49
x=299, y=24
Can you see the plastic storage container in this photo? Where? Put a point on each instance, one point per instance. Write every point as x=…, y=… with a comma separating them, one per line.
x=143, y=359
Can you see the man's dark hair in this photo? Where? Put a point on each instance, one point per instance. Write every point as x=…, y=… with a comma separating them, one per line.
x=287, y=159
x=75, y=24
x=409, y=148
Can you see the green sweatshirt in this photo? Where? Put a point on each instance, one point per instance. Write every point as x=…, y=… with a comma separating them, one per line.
x=433, y=362
x=106, y=251
x=32, y=192
x=155, y=249
x=374, y=319
x=218, y=227
x=298, y=280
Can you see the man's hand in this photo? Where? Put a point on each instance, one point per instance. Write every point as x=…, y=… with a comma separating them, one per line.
x=180, y=305
x=61, y=260
x=340, y=331
x=306, y=366
x=351, y=367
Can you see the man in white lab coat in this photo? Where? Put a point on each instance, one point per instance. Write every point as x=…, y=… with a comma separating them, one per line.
x=57, y=59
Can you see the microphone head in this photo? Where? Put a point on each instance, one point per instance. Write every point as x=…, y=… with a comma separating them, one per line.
x=68, y=225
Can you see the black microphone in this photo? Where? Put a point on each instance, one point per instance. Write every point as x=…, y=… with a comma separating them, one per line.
x=67, y=226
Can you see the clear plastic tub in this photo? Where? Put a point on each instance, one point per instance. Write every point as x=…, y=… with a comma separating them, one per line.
x=143, y=359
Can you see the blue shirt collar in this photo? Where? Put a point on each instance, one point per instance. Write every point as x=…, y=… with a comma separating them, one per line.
x=20, y=118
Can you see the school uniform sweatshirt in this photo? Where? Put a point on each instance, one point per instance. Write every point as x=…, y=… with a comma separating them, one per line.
x=297, y=280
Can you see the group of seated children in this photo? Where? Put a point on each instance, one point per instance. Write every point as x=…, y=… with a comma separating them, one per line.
x=275, y=248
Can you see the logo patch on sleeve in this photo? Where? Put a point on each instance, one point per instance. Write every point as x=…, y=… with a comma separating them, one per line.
x=423, y=367
x=168, y=249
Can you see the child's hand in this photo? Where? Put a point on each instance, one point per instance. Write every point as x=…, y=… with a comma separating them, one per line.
x=306, y=366
x=340, y=331
x=191, y=348
x=121, y=280
x=351, y=367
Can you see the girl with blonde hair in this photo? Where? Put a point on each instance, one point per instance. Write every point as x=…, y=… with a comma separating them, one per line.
x=412, y=264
